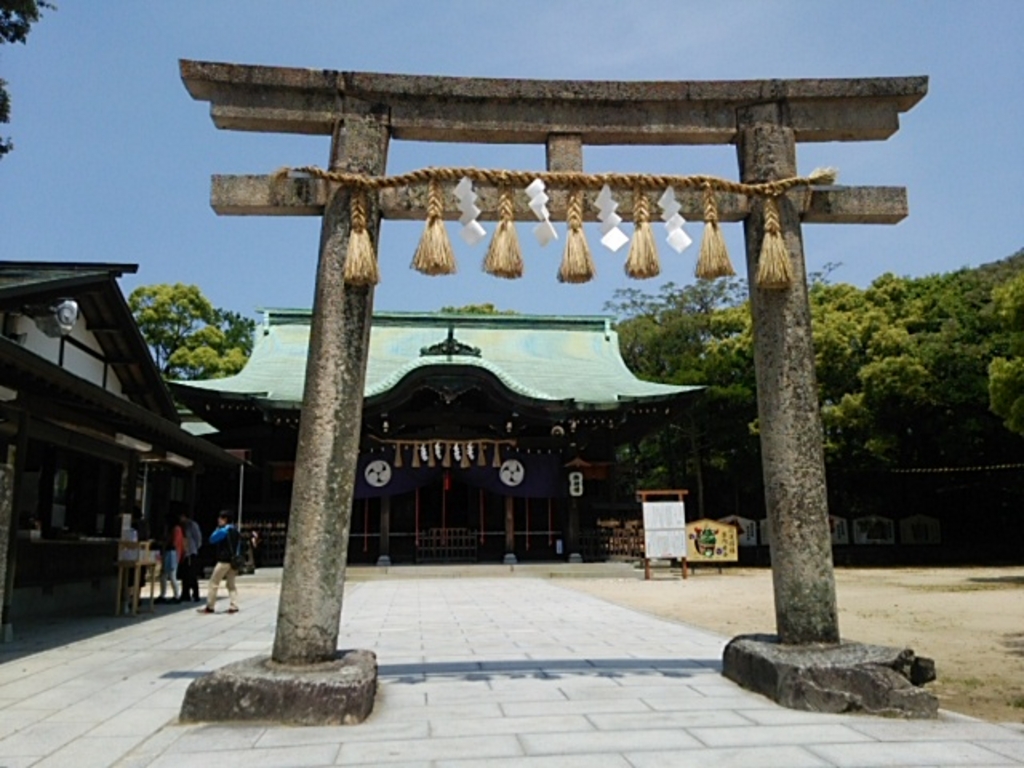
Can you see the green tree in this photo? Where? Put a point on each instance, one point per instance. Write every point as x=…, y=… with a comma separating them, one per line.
x=188, y=336
x=16, y=20
x=905, y=370
x=1006, y=373
x=696, y=335
x=477, y=309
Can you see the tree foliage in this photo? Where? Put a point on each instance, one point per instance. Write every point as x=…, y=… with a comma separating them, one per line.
x=16, y=20
x=912, y=373
x=477, y=309
x=1006, y=373
x=189, y=337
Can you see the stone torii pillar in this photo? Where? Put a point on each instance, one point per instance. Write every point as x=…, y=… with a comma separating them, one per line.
x=764, y=119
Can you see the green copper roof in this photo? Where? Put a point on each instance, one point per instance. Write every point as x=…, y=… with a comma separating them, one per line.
x=546, y=358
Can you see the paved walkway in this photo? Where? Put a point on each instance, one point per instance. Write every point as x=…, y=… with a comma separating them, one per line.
x=474, y=672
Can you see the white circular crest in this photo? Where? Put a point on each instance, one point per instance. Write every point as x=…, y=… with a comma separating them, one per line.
x=377, y=473
x=512, y=473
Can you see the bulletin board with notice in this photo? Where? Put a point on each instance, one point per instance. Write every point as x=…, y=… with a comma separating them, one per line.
x=664, y=527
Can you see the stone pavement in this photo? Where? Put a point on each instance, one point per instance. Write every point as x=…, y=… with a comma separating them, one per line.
x=474, y=672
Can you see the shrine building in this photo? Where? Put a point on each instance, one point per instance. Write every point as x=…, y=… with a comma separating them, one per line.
x=487, y=438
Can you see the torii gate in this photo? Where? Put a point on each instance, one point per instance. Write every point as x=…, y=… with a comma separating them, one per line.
x=362, y=112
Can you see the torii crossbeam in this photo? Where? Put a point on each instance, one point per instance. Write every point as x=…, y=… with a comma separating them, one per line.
x=362, y=112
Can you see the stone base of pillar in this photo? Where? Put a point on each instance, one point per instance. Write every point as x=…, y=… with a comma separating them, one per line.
x=339, y=692
x=849, y=677
x=575, y=557
x=510, y=559
x=383, y=561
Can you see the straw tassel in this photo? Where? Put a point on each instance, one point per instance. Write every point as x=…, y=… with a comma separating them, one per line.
x=398, y=455
x=464, y=461
x=496, y=461
x=577, y=263
x=447, y=460
x=504, y=257
x=774, y=269
x=481, y=457
x=360, y=262
x=431, y=458
x=642, y=262
x=714, y=257
x=824, y=176
x=416, y=448
x=434, y=256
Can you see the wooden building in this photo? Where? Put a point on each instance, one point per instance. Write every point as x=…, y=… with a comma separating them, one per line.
x=88, y=432
x=484, y=438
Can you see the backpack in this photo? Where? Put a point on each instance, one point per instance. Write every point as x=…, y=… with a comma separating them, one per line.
x=238, y=559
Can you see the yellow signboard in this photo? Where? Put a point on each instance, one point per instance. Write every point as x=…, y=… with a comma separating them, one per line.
x=710, y=541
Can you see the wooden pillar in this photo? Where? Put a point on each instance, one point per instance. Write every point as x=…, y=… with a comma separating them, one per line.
x=792, y=451
x=10, y=511
x=192, y=494
x=510, y=531
x=129, y=480
x=573, y=533
x=309, y=611
x=384, y=556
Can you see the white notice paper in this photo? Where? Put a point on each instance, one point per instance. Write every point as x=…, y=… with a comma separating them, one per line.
x=664, y=529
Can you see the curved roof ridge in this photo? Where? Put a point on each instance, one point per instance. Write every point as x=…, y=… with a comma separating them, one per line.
x=545, y=358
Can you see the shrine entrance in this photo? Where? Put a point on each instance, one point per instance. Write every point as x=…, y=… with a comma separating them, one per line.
x=362, y=112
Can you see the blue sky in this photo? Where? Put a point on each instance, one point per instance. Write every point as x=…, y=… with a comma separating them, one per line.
x=113, y=158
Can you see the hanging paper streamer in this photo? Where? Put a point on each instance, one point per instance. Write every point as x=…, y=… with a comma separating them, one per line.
x=471, y=232
x=435, y=257
x=677, y=239
x=545, y=231
x=612, y=237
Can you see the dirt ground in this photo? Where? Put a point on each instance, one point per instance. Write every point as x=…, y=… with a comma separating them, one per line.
x=968, y=619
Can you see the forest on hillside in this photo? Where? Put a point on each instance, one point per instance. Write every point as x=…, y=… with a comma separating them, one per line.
x=921, y=384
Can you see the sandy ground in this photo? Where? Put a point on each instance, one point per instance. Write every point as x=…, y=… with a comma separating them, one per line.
x=967, y=619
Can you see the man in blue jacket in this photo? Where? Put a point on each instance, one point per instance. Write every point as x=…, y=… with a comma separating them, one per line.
x=228, y=542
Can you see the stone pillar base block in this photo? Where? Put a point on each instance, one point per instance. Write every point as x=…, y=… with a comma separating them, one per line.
x=510, y=559
x=575, y=558
x=338, y=692
x=383, y=561
x=848, y=677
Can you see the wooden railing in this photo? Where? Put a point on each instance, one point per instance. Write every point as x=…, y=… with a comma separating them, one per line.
x=447, y=545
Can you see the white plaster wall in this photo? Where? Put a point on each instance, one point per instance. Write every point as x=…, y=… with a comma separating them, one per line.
x=76, y=361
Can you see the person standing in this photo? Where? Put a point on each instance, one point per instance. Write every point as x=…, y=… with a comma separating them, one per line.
x=228, y=541
x=172, y=552
x=193, y=539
